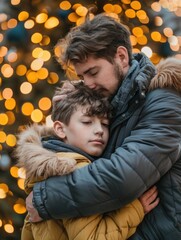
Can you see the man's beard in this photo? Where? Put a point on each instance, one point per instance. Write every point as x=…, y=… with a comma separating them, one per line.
x=118, y=73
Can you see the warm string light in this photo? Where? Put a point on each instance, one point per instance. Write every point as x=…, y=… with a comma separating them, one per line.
x=29, y=72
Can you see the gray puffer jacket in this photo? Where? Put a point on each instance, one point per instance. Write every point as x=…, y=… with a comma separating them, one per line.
x=144, y=148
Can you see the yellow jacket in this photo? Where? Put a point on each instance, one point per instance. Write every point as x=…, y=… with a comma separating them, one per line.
x=41, y=163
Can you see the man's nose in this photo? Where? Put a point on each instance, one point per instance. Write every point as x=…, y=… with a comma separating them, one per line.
x=89, y=83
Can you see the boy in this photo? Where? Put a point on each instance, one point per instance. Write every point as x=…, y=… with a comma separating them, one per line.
x=81, y=123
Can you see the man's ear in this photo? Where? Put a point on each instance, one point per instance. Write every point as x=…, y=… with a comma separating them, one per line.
x=122, y=56
x=59, y=129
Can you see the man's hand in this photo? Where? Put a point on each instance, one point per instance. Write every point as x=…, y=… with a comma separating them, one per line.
x=33, y=213
x=149, y=199
x=66, y=87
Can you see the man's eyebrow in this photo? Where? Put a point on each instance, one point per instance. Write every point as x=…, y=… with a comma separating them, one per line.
x=88, y=70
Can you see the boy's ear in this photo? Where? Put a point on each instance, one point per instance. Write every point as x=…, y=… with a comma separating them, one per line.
x=59, y=129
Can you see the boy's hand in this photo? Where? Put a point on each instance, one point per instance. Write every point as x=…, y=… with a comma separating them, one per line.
x=149, y=199
x=33, y=213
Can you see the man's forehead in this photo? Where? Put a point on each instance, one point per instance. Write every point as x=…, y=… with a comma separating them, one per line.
x=86, y=66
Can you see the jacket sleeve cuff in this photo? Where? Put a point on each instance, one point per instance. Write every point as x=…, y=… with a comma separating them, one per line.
x=39, y=200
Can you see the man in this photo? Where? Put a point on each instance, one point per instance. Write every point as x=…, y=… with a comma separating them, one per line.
x=145, y=136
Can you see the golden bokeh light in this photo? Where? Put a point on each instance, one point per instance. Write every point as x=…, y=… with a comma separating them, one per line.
x=45, y=40
x=53, y=78
x=72, y=17
x=14, y=171
x=3, y=17
x=26, y=88
x=36, y=115
x=75, y=6
x=65, y=5
x=21, y=70
x=9, y=228
x=156, y=6
x=10, y=103
x=15, y=2
x=19, y=208
x=29, y=24
x=23, y=16
x=2, y=193
x=156, y=36
x=44, y=104
x=3, y=51
x=42, y=73
x=37, y=64
x=155, y=58
x=142, y=40
x=27, y=108
x=4, y=187
x=3, y=119
x=51, y=22
x=11, y=140
x=141, y=15
x=80, y=20
x=41, y=18
x=168, y=32
x=108, y=8
x=12, y=57
x=1, y=37
x=11, y=117
x=36, y=37
x=7, y=93
x=4, y=26
x=136, y=5
x=130, y=13
x=36, y=52
x=137, y=31
x=117, y=9
x=81, y=11
x=133, y=40
x=2, y=137
x=7, y=70
x=21, y=183
x=158, y=21
x=147, y=51
x=12, y=23
x=45, y=55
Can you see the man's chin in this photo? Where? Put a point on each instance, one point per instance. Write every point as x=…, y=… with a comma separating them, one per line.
x=104, y=92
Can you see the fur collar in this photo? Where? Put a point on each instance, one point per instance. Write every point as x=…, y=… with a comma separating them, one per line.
x=168, y=75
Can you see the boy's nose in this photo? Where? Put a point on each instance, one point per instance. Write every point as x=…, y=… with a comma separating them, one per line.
x=98, y=129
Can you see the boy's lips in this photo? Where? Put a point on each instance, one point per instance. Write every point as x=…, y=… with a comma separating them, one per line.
x=99, y=141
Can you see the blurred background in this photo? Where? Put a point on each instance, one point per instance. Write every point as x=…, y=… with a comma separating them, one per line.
x=29, y=72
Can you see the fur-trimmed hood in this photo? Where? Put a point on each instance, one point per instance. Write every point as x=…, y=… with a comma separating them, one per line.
x=168, y=74
x=38, y=161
